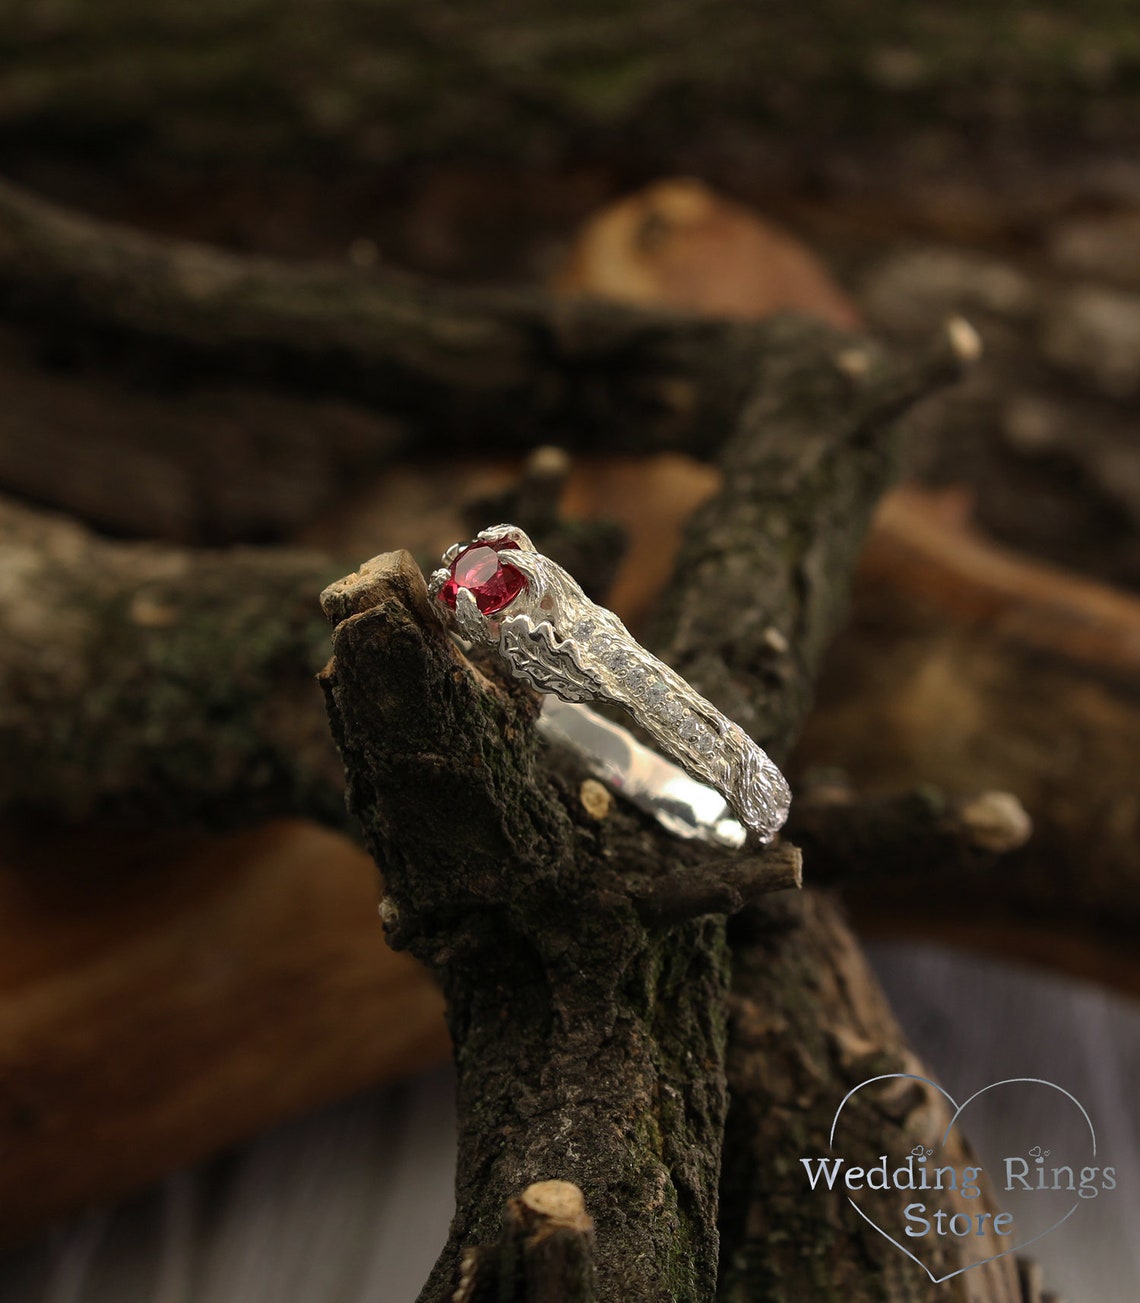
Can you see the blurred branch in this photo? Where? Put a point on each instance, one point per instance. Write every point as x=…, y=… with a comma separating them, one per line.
x=196, y=663
x=448, y=369
x=162, y=456
x=977, y=668
x=156, y=684
x=912, y=835
x=1043, y=432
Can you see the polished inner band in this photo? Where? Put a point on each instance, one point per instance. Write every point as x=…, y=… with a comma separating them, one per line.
x=662, y=789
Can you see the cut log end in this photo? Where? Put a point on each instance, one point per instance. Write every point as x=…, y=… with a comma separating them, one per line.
x=554, y=1203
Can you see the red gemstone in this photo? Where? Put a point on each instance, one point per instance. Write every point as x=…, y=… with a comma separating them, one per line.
x=477, y=568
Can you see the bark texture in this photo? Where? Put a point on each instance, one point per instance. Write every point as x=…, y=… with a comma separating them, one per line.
x=152, y=684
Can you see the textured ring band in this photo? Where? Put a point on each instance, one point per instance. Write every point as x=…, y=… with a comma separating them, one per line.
x=500, y=591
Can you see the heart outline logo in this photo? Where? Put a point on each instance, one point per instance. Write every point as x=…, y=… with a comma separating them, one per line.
x=958, y=1108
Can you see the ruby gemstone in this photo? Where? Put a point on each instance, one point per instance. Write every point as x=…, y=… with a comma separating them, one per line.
x=478, y=569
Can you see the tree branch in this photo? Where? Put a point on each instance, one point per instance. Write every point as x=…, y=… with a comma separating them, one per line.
x=544, y=1255
x=588, y=1043
x=720, y=885
x=448, y=363
x=912, y=835
x=147, y=683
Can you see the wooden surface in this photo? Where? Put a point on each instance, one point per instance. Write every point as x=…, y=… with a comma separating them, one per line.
x=353, y=1202
x=166, y=1000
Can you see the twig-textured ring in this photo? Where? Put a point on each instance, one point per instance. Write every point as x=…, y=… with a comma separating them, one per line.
x=499, y=591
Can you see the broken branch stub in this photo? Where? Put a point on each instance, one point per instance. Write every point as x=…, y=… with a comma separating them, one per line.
x=545, y=1253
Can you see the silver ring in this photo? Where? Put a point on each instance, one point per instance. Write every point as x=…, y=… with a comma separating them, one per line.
x=499, y=591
